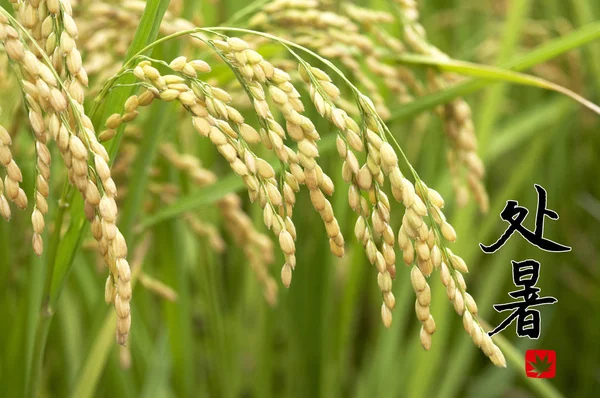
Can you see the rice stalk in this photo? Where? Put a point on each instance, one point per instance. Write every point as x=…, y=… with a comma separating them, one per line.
x=269, y=125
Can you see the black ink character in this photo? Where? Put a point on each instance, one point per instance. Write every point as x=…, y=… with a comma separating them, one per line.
x=525, y=275
x=515, y=215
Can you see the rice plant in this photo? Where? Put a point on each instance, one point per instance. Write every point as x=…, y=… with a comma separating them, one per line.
x=238, y=184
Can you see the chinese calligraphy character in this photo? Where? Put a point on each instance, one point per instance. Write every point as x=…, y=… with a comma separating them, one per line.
x=515, y=215
x=525, y=275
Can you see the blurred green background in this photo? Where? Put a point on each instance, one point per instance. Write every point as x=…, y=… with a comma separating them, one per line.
x=325, y=337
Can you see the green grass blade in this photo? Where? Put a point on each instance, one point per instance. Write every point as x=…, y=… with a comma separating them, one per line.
x=146, y=33
x=521, y=128
x=584, y=13
x=140, y=170
x=493, y=73
x=34, y=303
x=551, y=49
x=96, y=358
x=174, y=260
x=491, y=105
x=199, y=198
x=70, y=325
x=67, y=249
x=157, y=379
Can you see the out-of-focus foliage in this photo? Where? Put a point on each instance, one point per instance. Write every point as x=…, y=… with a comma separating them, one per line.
x=201, y=324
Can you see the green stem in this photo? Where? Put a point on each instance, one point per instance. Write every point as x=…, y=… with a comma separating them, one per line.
x=32, y=388
x=47, y=310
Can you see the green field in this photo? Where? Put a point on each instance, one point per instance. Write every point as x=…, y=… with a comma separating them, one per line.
x=219, y=109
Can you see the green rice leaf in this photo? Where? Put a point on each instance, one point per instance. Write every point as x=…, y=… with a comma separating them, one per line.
x=494, y=74
x=551, y=49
